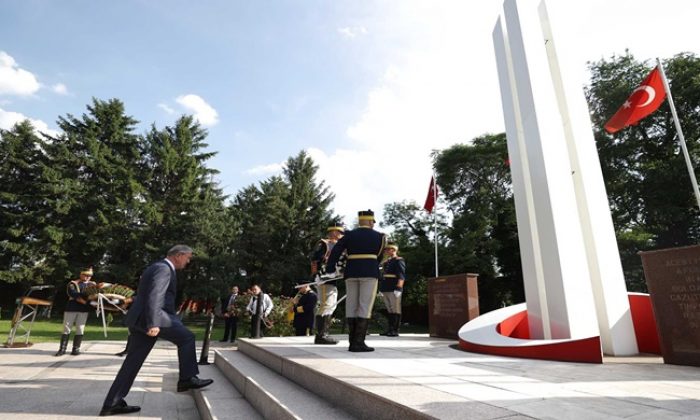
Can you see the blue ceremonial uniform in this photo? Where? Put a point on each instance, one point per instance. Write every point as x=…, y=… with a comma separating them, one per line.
x=393, y=271
x=76, y=299
x=320, y=256
x=304, y=313
x=364, y=247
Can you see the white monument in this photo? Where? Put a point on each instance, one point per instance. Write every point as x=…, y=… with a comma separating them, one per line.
x=574, y=284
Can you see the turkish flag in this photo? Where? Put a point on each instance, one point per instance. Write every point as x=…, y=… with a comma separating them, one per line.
x=432, y=196
x=644, y=100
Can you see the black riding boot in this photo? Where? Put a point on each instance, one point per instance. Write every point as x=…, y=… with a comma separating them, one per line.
x=361, y=325
x=77, y=340
x=395, y=322
x=323, y=324
x=389, y=322
x=351, y=332
x=63, y=346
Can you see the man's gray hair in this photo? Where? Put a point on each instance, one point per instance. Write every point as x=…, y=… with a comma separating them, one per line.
x=180, y=249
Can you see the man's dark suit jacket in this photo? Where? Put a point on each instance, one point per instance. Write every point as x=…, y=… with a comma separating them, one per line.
x=155, y=301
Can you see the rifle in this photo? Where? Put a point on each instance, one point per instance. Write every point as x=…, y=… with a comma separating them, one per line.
x=321, y=279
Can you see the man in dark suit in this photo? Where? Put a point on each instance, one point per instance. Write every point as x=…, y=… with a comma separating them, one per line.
x=230, y=310
x=151, y=316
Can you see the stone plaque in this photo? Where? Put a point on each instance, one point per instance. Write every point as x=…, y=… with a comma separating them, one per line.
x=452, y=302
x=673, y=279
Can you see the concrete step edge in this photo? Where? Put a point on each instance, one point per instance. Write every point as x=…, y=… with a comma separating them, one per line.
x=267, y=404
x=301, y=403
x=331, y=389
x=221, y=400
x=206, y=412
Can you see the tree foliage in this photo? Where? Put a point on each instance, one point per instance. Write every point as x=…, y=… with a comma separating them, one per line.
x=278, y=223
x=475, y=182
x=646, y=177
x=100, y=195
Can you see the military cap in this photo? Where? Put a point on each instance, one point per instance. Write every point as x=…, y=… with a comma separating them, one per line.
x=336, y=226
x=366, y=215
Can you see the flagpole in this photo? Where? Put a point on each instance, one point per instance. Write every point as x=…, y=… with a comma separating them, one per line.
x=435, y=224
x=677, y=122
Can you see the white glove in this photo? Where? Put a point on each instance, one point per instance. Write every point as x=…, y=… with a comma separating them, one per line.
x=397, y=293
x=328, y=276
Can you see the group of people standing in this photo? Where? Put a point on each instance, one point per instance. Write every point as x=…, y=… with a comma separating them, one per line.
x=362, y=257
x=231, y=310
x=367, y=262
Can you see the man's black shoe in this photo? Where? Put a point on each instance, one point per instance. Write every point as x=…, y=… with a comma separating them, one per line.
x=120, y=408
x=192, y=383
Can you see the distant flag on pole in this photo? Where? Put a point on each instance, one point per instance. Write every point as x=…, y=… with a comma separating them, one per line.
x=432, y=196
x=644, y=100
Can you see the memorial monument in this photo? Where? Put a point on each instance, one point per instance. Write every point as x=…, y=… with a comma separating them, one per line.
x=574, y=286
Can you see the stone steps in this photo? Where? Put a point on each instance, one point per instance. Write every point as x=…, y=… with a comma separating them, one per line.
x=221, y=400
x=272, y=395
x=324, y=377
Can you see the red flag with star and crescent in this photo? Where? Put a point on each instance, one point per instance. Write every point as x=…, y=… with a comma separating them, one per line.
x=644, y=100
x=432, y=196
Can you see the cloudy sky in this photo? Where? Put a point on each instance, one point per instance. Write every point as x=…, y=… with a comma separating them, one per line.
x=368, y=88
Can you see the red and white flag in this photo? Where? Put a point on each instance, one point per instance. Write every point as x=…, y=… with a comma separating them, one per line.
x=644, y=100
x=432, y=196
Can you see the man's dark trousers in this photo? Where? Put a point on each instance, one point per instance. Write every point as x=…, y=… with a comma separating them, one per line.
x=141, y=346
x=230, y=328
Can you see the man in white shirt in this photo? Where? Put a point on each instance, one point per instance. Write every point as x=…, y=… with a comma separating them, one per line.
x=252, y=309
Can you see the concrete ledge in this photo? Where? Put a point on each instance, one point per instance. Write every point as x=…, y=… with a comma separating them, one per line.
x=221, y=401
x=353, y=399
x=274, y=396
x=264, y=402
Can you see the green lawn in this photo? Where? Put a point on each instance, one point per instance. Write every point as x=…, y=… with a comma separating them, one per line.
x=50, y=330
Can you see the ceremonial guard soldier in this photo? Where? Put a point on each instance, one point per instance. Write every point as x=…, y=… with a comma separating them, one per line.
x=76, y=312
x=364, y=247
x=304, y=305
x=391, y=287
x=327, y=292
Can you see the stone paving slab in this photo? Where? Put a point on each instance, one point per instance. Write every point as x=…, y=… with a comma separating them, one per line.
x=621, y=388
x=36, y=385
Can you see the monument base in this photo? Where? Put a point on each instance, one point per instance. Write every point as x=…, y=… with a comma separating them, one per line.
x=505, y=332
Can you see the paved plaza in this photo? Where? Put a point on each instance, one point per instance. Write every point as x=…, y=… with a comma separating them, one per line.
x=426, y=374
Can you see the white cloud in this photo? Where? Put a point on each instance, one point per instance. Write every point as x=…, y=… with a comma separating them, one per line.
x=14, y=80
x=202, y=111
x=60, y=89
x=9, y=118
x=425, y=100
x=440, y=85
x=265, y=170
x=351, y=32
x=166, y=108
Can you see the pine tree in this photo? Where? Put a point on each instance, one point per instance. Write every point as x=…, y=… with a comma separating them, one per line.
x=280, y=222
x=94, y=166
x=185, y=205
x=26, y=235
